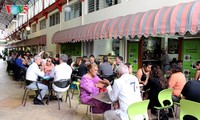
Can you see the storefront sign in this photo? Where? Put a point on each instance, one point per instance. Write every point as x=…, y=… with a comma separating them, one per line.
x=191, y=54
x=15, y=9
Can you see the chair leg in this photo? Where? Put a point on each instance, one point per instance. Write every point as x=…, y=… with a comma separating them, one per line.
x=158, y=114
x=76, y=109
x=26, y=98
x=173, y=114
x=91, y=112
x=69, y=98
x=58, y=103
x=72, y=94
x=24, y=95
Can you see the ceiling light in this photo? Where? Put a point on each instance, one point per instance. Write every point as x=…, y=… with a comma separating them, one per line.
x=28, y=28
x=68, y=8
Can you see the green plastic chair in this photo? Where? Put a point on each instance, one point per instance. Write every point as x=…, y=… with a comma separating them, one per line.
x=188, y=107
x=79, y=102
x=138, y=108
x=164, y=95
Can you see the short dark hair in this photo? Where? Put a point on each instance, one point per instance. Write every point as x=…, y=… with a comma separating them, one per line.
x=147, y=64
x=198, y=63
x=128, y=64
x=105, y=58
x=120, y=57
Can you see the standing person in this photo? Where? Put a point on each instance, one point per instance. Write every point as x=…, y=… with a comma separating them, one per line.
x=165, y=61
x=89, y=85
x=197, y=74
x=32, y=74
x=144, y=73
x=176, y=81
x=125, y=90
x=61, y=72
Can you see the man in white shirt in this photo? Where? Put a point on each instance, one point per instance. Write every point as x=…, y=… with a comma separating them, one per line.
x=125, y=90
x=32, y=74
x=61, y=72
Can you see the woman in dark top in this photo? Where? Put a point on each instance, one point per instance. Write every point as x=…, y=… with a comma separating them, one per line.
x=156, y=83
x=144, y=73
x=197, y=74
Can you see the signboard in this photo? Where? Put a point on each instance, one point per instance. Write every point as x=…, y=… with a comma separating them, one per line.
x=133, y=55
x=190, y=55
x=73, y=49
x=15, y=9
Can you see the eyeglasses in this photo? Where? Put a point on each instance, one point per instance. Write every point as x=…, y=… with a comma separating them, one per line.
x=48, y=61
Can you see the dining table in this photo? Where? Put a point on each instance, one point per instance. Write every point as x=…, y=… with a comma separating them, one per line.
x=103, y=97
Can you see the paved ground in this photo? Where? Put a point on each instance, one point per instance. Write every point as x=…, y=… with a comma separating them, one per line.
x=12, y=109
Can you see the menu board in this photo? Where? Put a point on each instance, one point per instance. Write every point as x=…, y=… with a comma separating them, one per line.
x=133, y=55
x=190, y=55
x=73, y=49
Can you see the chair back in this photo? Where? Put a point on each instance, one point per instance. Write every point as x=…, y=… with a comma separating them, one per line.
x=63, y=83
x=138, y=108
x=188, y=107
x=164, y=95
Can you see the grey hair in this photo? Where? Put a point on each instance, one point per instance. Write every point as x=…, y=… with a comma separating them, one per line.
x=37, y=57
x=64, y=57
x=122, y=69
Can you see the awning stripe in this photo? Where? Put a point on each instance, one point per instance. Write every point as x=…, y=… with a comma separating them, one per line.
x=167, y=20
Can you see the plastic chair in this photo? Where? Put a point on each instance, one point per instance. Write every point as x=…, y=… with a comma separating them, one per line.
x=27, y=90
x=63, y=84
x=88, y=106
x=77, y=78
x=165, y=95
x=188, y=107
x=138, y=108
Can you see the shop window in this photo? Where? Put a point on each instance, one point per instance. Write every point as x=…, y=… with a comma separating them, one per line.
x=115, y=46
x=94, y=5
x=43, y=24
x=34, y=28
x=172, y=46
x=76, y=11
x=54, y=19
x=151, y=49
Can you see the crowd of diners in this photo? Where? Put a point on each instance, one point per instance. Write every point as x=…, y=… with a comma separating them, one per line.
x=115, y=77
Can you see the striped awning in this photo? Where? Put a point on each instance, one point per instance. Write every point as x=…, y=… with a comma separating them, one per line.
x=182, y=18
x=40, y=40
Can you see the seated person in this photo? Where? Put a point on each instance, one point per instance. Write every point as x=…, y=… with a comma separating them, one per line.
x=89, y=85
x=32, y=74
x=126, y=91
x=144, y=73
x=191, y=92
x=48, y=66
x=156, y=83
x=176, y=81
x=197, y=74
x=105, y=68
x=61, y=72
